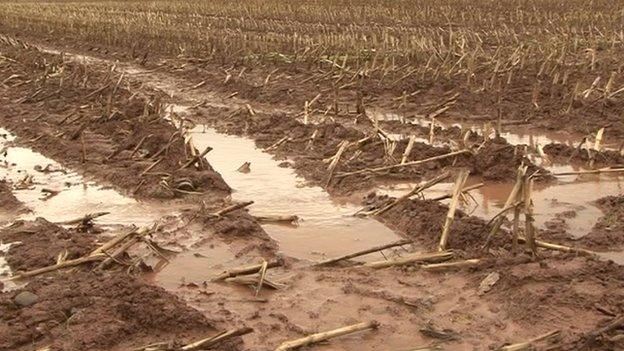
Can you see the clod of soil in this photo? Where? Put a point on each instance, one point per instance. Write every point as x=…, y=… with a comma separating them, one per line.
x=8, y=202
x=40, y=243
x=567, y=153
x=77, y=311
x=422, y=221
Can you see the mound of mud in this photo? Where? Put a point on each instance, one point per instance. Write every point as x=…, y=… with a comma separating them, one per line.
x=499, y=161
x=565, y=152
x=560, y=287
x=113, y=132
x=608, y=232
x=79, y=309
x=311, y=146
x=423, y=220
x=86, y=311
x=40, y=242
x=8, y=202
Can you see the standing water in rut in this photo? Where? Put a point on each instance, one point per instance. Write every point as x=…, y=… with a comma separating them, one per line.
x=326, y=228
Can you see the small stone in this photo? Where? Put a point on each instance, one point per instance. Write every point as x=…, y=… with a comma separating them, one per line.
x=25, y=298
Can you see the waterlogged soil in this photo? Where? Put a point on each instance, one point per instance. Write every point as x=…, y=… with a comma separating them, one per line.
x=567, y=153
x=607, y=234
x=422, y=221
x=456, y=309
x=41, y=242
x=546, y=102
x=309, y=149
x=411, y=305
x=88, y=311
x=79, y=309
x=88, y=121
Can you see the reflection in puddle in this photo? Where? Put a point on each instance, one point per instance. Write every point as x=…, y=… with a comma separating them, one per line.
x=569, y=199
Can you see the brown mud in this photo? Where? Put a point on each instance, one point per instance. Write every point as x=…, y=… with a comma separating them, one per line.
x=9, y=204
x=93, y=123
x=422, y=221
x=414, y=306
x=40, y=243
x=79, y=309
x=566, y=153
x=289, y=86
x=309, y=146
x=607, y=233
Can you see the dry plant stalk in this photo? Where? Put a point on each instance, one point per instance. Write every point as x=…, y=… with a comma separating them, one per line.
x=561, y=248
x=202, y=344
x=408, y=149
x=246, y=270
x=432, y=131
x=450, y=216
x=512, y=201
x=464, y=191
x=597, y=146
x=335, y=159
x=363, y=252
x=278, y=143
x=231, y=208
x=529, y=231
x=197, y=159
x=446, y=265
x=64, y=264
x=316, y=338
x=254, y=281
x=417, y=190
x=407, y=164
x=412, y=258
x=529, y=345
x=213, y=340
x=98, y=254
x=263, y=270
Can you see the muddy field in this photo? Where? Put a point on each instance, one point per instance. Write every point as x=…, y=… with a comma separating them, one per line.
x=164, y=202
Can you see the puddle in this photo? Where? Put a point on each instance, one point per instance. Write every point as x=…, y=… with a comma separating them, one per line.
x=552, y=200
x=514, y=134
x=76, y=196
x=326, y=228
x=194, y=265
x=617, y=257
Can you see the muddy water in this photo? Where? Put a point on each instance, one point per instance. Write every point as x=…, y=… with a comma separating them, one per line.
x=76, y=196
x=326, y=228
x=571, y=200
x=325, y=231
x=568, y=203
x=514, y=134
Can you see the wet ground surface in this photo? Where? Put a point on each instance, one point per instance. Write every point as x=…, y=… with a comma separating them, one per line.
x=76, y=195
x=316, y=299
